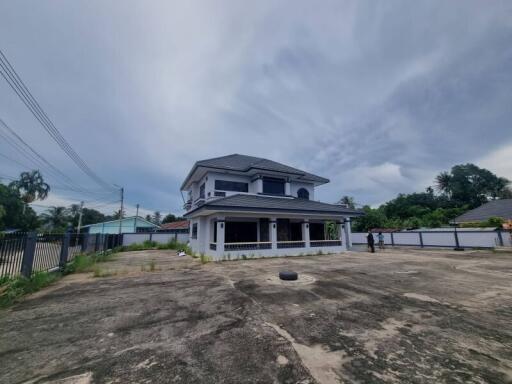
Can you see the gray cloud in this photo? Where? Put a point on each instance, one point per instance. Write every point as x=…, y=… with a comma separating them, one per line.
x=376, y=96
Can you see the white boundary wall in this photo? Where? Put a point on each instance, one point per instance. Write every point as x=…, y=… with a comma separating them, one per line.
x=469, y=239
x=162, y=238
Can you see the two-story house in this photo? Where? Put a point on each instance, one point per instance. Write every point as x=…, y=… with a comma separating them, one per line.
x=248, y=206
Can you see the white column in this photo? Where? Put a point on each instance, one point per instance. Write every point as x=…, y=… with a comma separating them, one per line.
x=221, y=230
x=259, y=185
x=207, y=235
x=348, y=233
x=273, y=232
x=339, y=230
x=305, y=233
x=287, y=189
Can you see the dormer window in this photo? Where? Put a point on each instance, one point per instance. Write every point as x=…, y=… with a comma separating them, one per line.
x=303, y=193
x=272, y=186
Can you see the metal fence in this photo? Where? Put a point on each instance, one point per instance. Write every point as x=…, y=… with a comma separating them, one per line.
x=460, y=238
x=26, y=253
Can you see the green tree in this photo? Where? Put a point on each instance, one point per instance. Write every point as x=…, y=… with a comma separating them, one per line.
x=31, y=187
x=57, y=218
x=170, y=218
x=467, y=184
x=116, y=214
x=373, y=218
x=16, y=214
x=157, y=218
x=348, y=201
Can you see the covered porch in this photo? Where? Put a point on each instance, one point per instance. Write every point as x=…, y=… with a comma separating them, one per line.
x=235, y=237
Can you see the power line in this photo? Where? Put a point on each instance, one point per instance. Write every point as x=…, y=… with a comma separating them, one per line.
x=19, y=87
x=36, y=158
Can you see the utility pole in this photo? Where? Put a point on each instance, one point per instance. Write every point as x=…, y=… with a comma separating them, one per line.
x=136, y=216
x=121, y=210
x=79, y=222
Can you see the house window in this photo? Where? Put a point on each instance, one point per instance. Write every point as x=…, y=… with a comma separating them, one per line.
x=194, y=231
x=273, y=186
x=303, y=193
x=235, y=186
x=201, y=191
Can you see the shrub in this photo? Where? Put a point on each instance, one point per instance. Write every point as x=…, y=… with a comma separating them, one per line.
x=16, y=287
x=85, y=263
x=204, y=259
x=149, y=244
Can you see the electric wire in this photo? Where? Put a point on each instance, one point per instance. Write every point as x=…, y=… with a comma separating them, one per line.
x=11, y=76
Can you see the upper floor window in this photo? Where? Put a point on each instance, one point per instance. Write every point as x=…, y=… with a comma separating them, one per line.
x=235, y=186
x=273, y=186
x=201, y=191
x=303, y=193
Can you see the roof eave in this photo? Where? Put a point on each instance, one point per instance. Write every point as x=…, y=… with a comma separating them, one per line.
x=279, y=210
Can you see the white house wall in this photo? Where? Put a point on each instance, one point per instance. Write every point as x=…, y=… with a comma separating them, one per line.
x=255, y=186
x=295, y=186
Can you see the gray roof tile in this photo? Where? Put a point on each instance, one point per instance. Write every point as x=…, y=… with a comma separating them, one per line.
x=496, y=208
x=247, y=202
x=243, y=163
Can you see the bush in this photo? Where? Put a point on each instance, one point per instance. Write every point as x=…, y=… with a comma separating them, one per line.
x=15, y=288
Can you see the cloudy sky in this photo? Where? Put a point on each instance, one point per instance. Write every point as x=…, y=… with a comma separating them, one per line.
x=377, y=96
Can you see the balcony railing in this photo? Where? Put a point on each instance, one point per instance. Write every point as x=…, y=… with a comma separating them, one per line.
x=325, y=243
x=247, y=246
x=291, y=244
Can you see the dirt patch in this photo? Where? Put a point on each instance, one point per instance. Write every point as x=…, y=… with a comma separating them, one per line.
x=411, y=316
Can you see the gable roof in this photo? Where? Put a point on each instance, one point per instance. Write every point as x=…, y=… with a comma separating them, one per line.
x=242, y=202
x=123, y=219
x=182, y=224
x=244, y=163
x=495, y=208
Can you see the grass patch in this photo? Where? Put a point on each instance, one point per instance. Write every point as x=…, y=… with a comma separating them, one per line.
x=13, y=289
x=146, y=245
x=204, y=259
x=86, y=263
x=99, y=272
x=151, y=267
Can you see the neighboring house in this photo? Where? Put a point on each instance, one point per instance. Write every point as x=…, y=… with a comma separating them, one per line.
x=495, y=208
x=181, y=226
x=248, y=206
x=128, y=225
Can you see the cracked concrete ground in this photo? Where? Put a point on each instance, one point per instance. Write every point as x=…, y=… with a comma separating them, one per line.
x=399, y=316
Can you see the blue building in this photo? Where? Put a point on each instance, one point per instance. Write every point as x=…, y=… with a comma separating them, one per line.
x=128, y=225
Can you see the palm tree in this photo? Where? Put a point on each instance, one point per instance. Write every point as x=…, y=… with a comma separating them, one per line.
x=56, y=217
x=157, y=218
x=31, y=187
x=348, y=201
x=443, y=182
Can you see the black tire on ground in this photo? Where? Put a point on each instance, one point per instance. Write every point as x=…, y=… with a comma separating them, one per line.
x=288, y=275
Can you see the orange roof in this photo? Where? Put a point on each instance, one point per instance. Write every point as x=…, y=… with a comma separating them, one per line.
x=183, y=224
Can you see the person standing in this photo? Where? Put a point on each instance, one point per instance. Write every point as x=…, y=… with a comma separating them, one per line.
x=381, y=240
x=371, y=242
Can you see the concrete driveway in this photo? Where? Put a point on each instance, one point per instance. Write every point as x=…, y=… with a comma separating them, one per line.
x=400, y=316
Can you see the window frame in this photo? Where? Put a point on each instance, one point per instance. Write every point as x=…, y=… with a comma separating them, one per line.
x=303, y=190
x=244, y=189
x=194, y=231
x=275, y=181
